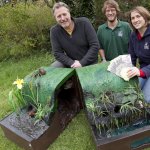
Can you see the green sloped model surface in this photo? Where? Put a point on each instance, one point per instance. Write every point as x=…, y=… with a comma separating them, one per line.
x=41, y=86
x=96, y=79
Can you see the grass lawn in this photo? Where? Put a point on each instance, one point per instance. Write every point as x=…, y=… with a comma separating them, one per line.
x=77, y=135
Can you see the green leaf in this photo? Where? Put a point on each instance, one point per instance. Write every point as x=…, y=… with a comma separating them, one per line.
x=11, y=100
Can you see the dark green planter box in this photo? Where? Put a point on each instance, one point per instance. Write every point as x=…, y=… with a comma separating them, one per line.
x=134, y=140
x=25, y=141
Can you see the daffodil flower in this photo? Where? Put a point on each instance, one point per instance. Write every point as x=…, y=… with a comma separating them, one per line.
x=19, y=83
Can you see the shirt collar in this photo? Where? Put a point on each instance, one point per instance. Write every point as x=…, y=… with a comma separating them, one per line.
x=138, y=35
x=118, y=24
x=147, y=33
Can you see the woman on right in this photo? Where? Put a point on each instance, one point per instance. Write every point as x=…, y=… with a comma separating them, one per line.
x=139, y=48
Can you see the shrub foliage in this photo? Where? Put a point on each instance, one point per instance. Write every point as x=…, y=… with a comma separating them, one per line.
x=24, y=30
x=82, y=8
x=125, y=6
x=93, y=8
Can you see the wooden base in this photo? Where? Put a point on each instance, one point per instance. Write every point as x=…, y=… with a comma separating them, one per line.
x=124, y=141
x=28, y=143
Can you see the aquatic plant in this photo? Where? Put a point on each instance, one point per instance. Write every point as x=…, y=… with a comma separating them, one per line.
x=128, y=108
x=113, y=110
x=91, y=109
x=41, y=112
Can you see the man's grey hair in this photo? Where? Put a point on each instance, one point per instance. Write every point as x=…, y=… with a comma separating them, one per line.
x=60, y=4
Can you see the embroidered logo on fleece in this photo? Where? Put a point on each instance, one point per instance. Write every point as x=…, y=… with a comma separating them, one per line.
x=120, y=33
x=146, y=45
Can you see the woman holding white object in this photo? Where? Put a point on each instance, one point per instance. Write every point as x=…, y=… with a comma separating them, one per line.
x=139, y=48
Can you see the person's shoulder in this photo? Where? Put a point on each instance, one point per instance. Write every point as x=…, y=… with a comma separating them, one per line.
x=124, y=23
x=55, y=28
x=148, y=28
x=82, y=20
x=102, y=26
x=133, y=34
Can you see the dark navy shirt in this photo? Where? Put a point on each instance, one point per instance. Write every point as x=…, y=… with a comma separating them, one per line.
x=139, y=49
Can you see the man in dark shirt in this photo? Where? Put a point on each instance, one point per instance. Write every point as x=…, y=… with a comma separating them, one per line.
x=74, y=40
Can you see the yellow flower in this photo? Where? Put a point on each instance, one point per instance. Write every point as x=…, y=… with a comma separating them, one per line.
x=19, y=83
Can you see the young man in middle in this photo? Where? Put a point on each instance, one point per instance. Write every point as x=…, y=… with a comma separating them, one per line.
x=114, y=35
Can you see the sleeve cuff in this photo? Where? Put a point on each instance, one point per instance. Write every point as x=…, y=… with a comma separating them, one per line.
x=142, y=74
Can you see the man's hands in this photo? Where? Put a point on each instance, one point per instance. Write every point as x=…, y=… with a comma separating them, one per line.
x=76, y=64
x=102, y=55
x=133, y=71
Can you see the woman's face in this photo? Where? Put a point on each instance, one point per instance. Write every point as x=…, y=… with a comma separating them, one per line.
x=137, y=20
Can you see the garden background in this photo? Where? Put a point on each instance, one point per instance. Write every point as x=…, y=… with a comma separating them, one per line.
x=25, y=46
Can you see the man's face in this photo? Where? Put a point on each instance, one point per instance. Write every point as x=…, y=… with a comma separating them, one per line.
x=63, y=17
x=111, y=14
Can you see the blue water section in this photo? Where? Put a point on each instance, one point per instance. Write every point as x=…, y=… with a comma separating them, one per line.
x=140, y=142
x=137, y=125
x=125, y=129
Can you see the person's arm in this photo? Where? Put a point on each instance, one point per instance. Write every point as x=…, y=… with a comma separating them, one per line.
x=102, y=55
x=134, y=71
x=92, y=53
x=131, y=51
x=101, y=50
x=59, y=53
x=146, y=71
x=143, y=72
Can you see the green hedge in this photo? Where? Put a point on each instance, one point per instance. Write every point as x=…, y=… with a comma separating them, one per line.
x=24, y=29
x=93, y=9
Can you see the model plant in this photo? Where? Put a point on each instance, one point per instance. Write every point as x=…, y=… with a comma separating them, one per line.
x=17, y=101
x=113, y=109
x=91, y=110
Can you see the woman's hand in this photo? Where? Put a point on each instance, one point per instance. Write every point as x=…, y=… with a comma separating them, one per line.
x=133, y=71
